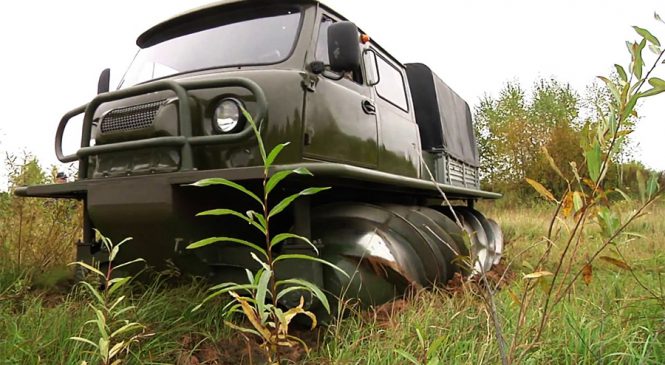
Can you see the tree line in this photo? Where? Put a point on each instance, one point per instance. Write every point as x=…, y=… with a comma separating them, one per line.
x=522, y=133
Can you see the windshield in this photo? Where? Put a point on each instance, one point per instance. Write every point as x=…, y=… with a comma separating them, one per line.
x=256, y=41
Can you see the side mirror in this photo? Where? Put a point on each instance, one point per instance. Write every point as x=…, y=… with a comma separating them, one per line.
x=104, y=83
x=343, y=47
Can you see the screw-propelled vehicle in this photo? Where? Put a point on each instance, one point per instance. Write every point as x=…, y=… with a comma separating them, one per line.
x=392, y=140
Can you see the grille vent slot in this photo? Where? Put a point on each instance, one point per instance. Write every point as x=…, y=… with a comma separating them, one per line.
x=131, y=118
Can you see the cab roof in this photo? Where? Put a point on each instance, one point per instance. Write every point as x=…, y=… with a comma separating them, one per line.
x=181, y=23
x=166, y=29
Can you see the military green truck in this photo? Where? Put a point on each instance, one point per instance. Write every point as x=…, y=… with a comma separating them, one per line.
x=392, y=140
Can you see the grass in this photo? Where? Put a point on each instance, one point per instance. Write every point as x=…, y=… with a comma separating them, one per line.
x=611, y=320
x=36, y=326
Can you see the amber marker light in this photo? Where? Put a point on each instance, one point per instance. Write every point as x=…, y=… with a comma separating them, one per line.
x=364, y=38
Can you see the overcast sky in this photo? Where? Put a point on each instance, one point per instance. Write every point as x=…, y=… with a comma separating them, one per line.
x=53, y=51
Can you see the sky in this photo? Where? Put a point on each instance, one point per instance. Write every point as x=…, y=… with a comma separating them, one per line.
x=53, y=51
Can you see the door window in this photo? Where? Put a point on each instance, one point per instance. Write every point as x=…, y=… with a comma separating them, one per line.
x=371, y=72
x=391, y=84
x=322, y=42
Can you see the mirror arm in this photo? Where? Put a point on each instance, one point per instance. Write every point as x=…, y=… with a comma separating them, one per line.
x=320, y=68
x=330, y=74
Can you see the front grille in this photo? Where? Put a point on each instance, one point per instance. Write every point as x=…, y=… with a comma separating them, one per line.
x=131, y=118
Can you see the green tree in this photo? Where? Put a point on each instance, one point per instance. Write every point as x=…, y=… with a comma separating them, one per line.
x=514, y=129
x=35, y=233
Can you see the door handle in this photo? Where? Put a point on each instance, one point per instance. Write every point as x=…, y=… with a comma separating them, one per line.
x=369, y=107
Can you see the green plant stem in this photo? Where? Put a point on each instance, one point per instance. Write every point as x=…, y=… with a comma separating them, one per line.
x=621, y=119
x=501, y=342
x=569, y=266
x=438, y=188
x=611, y=239
x=656, y=296
x=549, y=232
x=20, y=236
x=545, y=314
x=271, y=264
x=521, y=316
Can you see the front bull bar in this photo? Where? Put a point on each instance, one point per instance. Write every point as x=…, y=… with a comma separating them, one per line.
x=185, y=140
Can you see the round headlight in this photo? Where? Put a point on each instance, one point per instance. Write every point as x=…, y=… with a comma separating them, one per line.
x=227, y=117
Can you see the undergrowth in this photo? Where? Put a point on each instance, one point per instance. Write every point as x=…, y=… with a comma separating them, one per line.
x=609, y=321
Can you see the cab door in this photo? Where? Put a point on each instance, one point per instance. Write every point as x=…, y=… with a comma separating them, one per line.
x=340, y=123
x=399, y=139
